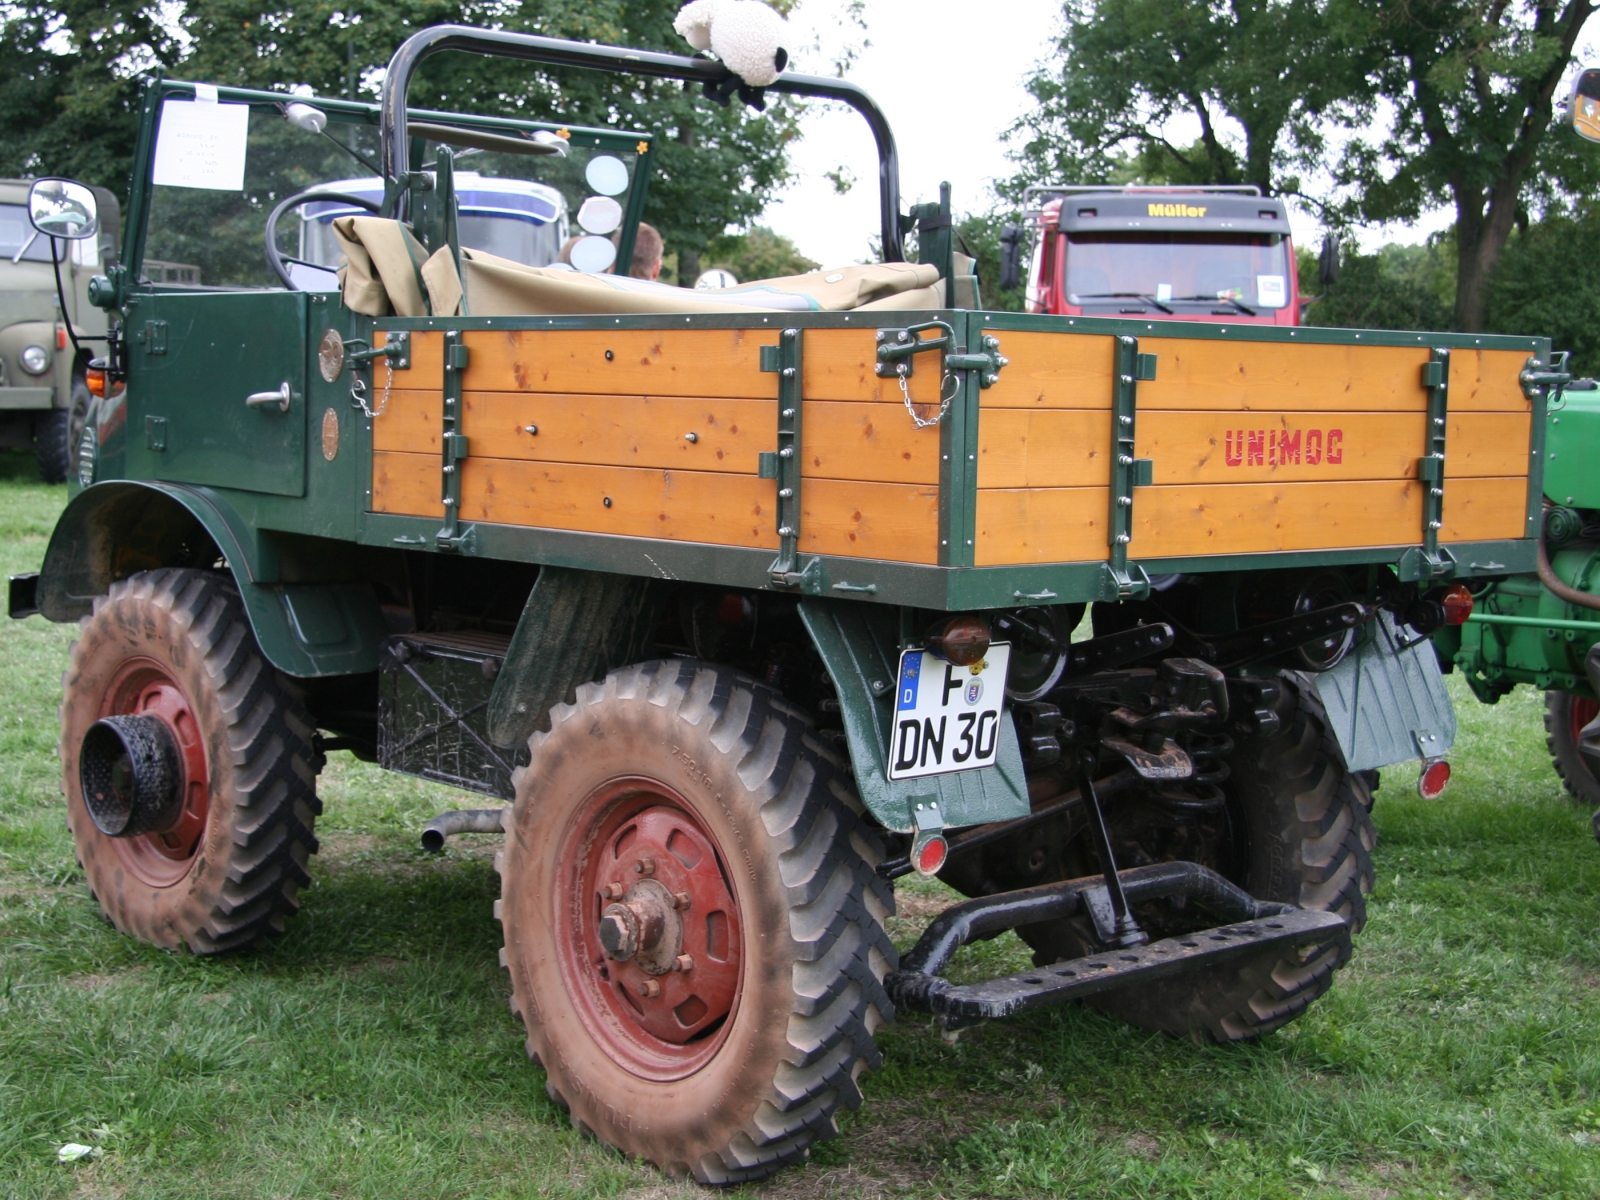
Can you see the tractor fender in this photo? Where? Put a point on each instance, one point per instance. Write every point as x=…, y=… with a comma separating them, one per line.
x=115, y=529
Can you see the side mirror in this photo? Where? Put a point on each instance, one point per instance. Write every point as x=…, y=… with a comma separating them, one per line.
x=1328, y=260
x=63, y=208
x=1010, y=255
x=1583, y=107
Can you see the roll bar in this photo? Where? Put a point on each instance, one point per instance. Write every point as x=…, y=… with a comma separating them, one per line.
x=558, y=52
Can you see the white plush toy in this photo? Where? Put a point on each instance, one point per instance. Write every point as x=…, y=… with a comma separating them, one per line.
x=745, y=34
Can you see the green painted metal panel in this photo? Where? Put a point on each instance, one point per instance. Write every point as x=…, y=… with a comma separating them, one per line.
x=860, y=645
x=1387, y=701
x=1572, y=435
x=218, y=350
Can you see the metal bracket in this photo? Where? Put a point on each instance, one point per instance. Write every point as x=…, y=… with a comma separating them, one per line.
x=1127, y=472
x=783, y=464
x=1537, y=379
x=396, y=348
x=897, y=349
x=1430, y=467
x=453, y=448
x=927, y=823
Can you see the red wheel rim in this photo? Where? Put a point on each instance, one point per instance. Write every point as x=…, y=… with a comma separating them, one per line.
x=1580, y=711
x=659, y=1025
x=144, y=687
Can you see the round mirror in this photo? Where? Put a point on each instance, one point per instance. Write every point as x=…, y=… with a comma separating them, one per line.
x=593, y=254
x=63, y=208
x=600, y=214
x=607, y=175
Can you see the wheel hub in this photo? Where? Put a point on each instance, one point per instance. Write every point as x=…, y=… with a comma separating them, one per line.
x=131, y=775
x=644, y=927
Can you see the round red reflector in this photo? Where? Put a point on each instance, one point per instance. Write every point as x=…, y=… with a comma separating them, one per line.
x=1457, y=603
x=1434, y=779
x=931, y=855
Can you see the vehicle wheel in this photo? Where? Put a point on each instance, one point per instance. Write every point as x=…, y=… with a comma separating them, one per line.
x=680, y=809
x=1565, y=715
x=1296, y=829
x=227, y=869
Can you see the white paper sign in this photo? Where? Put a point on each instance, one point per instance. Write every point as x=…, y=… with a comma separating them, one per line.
x=202, y=145
x=1270, y=292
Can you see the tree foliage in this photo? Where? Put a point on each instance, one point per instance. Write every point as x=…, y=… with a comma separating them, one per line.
x=757, y=254
x=1536, y=290
x=68, y=86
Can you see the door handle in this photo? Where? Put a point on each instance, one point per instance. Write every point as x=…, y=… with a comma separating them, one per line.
x=282, y=398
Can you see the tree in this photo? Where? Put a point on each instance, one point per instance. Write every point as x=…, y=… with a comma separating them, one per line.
x=68, y=97
x=1469, y=88
x=1257, y=75
x=758, y=254
x=1535, y=290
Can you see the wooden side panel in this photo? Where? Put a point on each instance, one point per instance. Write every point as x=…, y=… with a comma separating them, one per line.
x=1230, y=447
x=427, y=362
x=409, y=422
x=1486, y=381
x=1484, y=509
x=841, y=364
x=642, y=362
x=866, y=442
x=1253, y=518
x=1043, y=448
x=893, y=521
x=1040, y=525
x=1282, y=377
x=1053, y=370
x=1479, y=444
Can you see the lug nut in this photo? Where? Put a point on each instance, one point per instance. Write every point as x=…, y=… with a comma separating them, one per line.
x=613, y=891
x=645, y=866
x=684, y=962
x=649, y=989
x=680, y=901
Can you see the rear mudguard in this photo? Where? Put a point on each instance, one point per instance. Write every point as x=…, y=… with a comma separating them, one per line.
x=115, y=529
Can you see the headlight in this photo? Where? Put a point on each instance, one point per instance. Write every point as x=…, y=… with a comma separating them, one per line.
x=35, y=359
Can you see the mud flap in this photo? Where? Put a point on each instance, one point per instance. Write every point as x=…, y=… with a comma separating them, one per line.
x=1387, y=701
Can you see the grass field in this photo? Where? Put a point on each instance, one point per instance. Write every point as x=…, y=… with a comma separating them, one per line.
x=370, y=1052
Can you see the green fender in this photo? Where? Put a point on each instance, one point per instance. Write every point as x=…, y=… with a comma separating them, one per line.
x=115, y=529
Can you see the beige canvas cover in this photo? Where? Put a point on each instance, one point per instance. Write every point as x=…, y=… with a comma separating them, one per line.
x=382, y=264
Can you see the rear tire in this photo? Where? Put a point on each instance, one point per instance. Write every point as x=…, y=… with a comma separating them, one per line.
x=743, y=811
x=1564, y=715
x=176, y=644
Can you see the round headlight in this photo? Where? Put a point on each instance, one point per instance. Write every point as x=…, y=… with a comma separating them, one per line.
x=35, y=359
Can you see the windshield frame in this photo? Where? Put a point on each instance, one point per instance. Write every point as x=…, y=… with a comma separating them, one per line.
x=158, y=89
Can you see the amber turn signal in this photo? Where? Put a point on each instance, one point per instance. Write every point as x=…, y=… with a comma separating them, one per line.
x=95, y=377
x=964, y=639
x=1457, y=603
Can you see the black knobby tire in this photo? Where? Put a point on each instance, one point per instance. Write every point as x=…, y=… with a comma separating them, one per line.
x=733, y=764
x=1307, y=840
x=56, y=434
x=1564, y=715
x=177, y=644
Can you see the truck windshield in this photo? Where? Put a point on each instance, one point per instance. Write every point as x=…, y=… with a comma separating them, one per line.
x=16, y=234
x=1178, y=267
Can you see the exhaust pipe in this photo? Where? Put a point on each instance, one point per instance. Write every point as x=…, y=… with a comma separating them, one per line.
x=460, y=820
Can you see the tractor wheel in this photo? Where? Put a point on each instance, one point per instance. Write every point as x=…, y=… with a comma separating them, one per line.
x=169, y=656
x=1296, y=829
x=1565, y=715
x=56, y=434
x=693, y=925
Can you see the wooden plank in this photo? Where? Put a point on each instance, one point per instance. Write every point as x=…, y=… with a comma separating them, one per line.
x=723, y=363
x=1481, y=444
x=1484, y=509
x=1254, y=518
x=1486, y=381
x=894, y=521
x=1053, y=370
x=1035, y=525
x=1230, y=447
x=1043, y=448
x=841, y=364
x=1242, y=376
x=427, y=363
x=409, y=422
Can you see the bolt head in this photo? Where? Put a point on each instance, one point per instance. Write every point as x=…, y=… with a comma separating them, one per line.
x=619, y=933
x=613, y=891
x=649, y=989
x=684, y=962
x=681, y=901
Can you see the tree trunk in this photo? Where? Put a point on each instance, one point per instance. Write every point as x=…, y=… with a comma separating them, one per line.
x=1480, y=237
x=689, y=267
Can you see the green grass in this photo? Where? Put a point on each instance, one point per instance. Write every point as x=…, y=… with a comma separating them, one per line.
x=370, y=1053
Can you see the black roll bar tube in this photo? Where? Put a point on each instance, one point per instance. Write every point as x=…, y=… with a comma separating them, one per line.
x=558, y=52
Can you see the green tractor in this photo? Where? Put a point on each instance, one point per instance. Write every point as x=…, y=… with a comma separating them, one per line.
x=742, y=604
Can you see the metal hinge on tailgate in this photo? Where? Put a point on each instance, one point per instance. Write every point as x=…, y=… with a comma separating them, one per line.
x=452, y=447
x=1127, y=471
x=783, y=464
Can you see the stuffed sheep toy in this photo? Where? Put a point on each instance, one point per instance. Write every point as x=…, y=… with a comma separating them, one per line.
x=745, y=34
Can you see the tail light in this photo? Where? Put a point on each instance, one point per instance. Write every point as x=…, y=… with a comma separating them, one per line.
x=1457, y=602
x=1434, y=779
x=964, y=640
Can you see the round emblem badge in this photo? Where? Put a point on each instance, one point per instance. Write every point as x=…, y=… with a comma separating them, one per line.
x=974, y=691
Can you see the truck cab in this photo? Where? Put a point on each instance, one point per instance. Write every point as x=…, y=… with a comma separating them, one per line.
x=1180, y=254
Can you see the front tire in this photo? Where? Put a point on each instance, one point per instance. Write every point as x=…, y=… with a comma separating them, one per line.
x=1565, y=715
x=176, y=644
x=690, y=787
x=56, y=434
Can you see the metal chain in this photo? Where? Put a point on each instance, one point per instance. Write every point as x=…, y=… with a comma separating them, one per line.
x=358, y=391
x=944, y=401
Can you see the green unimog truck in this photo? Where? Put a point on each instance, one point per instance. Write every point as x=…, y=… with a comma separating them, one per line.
x=744, y=603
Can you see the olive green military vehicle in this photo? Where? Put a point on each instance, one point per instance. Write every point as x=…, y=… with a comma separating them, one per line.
x=745, y=603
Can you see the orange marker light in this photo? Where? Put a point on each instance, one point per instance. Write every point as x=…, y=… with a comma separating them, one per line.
x=95, y=377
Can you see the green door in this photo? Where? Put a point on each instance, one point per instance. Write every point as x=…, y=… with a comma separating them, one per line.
x=217, y=390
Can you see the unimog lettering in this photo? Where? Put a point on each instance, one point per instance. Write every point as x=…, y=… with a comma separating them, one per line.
x=1283, y=447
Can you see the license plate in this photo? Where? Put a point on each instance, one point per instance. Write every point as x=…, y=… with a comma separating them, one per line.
x=947, y=717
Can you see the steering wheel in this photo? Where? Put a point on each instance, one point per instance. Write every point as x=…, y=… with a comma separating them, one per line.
x=279, y=261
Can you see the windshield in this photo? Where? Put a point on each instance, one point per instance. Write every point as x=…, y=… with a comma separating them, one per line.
x=16, y=234
x=1177, y=267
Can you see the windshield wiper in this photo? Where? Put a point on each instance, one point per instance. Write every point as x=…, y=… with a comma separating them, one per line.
x=1123, y=296
x=1245, y=309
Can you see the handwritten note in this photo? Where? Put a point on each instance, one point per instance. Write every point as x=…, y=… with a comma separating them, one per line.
x=202, y=145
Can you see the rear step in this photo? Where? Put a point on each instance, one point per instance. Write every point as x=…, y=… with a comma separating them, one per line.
x=1259, y=927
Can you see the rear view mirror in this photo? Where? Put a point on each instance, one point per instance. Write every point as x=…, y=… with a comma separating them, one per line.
x=1585, y=105
x=1010, y=255
x=63, y=208
x=1328, y=260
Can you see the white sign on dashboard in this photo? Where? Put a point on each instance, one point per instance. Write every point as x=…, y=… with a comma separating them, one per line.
x=201, y=145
